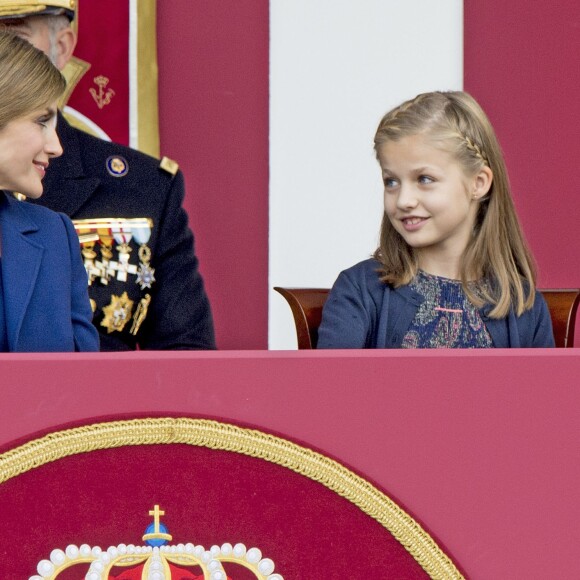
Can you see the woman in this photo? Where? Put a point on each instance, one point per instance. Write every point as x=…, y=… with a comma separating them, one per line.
x=44, y=305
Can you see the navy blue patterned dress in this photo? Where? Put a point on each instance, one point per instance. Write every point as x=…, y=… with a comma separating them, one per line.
x=446, y=318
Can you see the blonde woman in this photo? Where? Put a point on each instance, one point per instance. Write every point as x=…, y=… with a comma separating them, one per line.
x=44, y=305
x=452, y=269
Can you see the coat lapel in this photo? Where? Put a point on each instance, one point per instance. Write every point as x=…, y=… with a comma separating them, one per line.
x=21, y=259
x=66, y=188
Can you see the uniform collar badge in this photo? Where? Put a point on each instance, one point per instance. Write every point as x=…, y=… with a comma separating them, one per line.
x=117, y=166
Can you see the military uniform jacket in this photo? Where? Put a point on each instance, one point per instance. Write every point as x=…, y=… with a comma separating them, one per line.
x=99, y=179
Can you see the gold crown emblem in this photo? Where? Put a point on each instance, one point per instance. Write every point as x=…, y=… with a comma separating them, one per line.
x=156, y=558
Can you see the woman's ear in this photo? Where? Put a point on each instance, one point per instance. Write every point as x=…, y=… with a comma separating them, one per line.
x=482, y=182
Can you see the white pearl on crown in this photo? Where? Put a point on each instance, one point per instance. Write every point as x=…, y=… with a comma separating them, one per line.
x=239, y=550
x=57, y=557
x=45, y=568
x=214, y=565
x=72, y=552
x=227, y=549
x=266, y=566
x=254, y=555
x=85, y=550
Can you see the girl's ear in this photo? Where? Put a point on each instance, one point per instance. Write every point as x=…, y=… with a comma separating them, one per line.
x=482, y=182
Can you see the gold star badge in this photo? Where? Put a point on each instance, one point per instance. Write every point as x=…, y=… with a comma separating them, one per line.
x=117, y=313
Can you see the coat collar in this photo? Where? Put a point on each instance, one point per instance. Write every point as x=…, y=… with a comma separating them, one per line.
x=21, y=259
x=66, y=187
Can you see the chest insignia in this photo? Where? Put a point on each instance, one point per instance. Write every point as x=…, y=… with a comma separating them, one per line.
x=117, y=313
x=117, y=166
x=108, y=247
x=145, y=273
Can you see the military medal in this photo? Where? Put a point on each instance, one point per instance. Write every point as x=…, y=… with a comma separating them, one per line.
x=140, y=314
x=123, y=236
x=89, y=255
x=145, y=273
x=106, y=270
x=117, y=313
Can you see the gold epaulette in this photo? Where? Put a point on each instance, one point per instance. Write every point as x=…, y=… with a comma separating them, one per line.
x=169, y=165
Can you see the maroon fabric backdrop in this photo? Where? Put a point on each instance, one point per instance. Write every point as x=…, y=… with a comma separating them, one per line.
x=521, y=62
x=213, y=106
x=104, y=43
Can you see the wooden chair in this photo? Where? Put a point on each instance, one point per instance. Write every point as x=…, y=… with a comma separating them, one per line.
x=563, y=307
x=306, y=305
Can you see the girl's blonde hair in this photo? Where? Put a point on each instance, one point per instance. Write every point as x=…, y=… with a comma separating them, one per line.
x=497, y=253
x=28, y=80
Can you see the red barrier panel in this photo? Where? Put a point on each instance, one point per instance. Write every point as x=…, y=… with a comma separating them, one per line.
x=481, y=447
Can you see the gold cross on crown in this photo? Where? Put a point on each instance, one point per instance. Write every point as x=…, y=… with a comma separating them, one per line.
x=157, y=534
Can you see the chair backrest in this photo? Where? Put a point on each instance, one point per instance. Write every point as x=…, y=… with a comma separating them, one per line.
x=307, y=303
x=563, y=306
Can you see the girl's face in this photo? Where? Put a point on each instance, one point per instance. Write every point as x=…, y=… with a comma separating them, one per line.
x=428, y=198
x=26, y=146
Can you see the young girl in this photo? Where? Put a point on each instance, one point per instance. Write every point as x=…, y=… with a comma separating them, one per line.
x=452, y=269
x=44, y=304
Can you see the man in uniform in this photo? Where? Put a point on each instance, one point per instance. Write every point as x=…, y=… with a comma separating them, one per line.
x=144, y=282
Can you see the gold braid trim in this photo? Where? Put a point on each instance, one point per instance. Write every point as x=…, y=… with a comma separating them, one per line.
x=226, y=437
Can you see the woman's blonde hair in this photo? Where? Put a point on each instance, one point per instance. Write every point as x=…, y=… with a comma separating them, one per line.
x=497, y=252
x=28, y=80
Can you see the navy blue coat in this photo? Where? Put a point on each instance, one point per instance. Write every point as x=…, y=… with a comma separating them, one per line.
x=80, y=185
x=44, y=281
x=363, y=312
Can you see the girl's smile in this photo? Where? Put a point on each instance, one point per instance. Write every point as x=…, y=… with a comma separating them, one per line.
x=413, y=223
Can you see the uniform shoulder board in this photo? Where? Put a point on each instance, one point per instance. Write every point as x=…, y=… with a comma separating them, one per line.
x=169, y=165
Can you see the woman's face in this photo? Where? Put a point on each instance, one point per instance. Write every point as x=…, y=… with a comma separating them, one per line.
x=27, y=145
